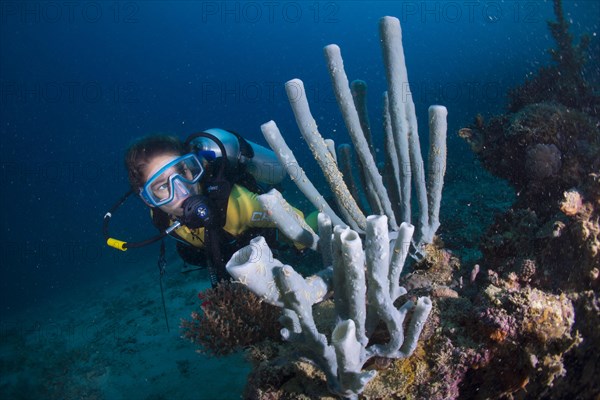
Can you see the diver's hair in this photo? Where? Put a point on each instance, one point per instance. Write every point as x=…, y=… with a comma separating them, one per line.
x=143, y=150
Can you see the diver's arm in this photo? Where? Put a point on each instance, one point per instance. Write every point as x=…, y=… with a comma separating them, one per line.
x=244, y=211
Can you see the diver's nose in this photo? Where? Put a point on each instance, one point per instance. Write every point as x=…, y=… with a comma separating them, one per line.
x=180, y=190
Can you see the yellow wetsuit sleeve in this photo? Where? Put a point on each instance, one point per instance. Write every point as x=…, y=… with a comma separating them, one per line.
x=243, y=212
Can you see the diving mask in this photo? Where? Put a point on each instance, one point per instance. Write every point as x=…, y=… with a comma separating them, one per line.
x=176, y=179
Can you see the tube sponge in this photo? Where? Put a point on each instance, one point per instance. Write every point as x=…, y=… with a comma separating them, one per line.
x=342, y=359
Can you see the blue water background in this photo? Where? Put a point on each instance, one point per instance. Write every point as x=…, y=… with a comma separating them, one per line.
x=80, y=82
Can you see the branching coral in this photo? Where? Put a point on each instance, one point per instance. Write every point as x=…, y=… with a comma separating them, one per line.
x=230, y=318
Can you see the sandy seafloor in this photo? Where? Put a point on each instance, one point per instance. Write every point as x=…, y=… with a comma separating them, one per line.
x=108, y=340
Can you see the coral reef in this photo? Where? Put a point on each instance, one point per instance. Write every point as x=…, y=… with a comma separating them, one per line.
x=521, y=322
x=550, y=154
x=230, y=318
x=537, y=293
x=543, y=150
x=531, y=328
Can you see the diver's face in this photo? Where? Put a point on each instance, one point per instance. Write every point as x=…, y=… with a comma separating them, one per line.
x=154, y=165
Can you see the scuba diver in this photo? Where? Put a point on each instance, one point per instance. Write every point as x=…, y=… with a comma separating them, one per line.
x=202, y=192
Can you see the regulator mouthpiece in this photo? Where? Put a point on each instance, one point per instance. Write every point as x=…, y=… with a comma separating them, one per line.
x=196, y=213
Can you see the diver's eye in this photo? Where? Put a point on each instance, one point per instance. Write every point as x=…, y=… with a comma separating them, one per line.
x=185, y=172
x=161, y=190
x=188, y=174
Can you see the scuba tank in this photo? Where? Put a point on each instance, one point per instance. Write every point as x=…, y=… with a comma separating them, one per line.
x=259, y=161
